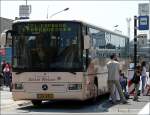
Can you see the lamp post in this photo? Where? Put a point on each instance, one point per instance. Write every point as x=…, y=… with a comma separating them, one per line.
x=149, y=21
x=47, y=12
x=59, y=12
x=117, y=30
x=135, y=41
x=128, y=29
x=26, y=2
x=128, y=26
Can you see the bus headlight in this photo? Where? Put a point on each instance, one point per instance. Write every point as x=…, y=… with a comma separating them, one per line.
x=74, y=86
x=18, y=86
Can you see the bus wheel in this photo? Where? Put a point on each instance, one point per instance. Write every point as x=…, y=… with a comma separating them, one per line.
x=36, y=102
x=10, y=87
x=95, y=92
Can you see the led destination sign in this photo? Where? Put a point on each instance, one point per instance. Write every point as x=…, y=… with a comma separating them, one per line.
x=35, y=27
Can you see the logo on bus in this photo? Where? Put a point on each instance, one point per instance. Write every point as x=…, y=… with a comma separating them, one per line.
x=44, y=87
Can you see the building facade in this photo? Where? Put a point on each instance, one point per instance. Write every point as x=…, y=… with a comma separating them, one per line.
x=5, y=24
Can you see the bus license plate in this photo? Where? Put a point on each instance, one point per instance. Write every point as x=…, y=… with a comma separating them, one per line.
x=45, y=96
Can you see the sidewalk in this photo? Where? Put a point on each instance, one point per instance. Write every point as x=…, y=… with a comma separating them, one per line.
x=6, y=100
x=133, y=107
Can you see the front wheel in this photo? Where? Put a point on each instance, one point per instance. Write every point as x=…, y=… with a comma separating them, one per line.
x=36, y=102
x=95, y=93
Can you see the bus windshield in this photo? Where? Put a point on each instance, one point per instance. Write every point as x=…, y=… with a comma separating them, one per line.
x=47, y=46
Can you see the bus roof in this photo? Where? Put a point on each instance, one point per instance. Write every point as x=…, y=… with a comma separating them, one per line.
x=79, y=21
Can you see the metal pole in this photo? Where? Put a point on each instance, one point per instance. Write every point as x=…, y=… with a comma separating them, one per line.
x=26, y=2
x=135, y=41
x=128, y=25
x=149, y=19
x=47, y=11
x=59, y=12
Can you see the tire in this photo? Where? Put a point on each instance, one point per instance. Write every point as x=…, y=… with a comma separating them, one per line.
x=36, y=102
x=10, y=87
x=95, y=93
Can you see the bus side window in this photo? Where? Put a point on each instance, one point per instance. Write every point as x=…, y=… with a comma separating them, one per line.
x=86, y=31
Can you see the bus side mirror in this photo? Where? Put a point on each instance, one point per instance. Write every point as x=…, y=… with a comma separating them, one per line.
x=9, y=35
x=85, y=59
x=6, y=38
x=3, y=39
x=86, y=42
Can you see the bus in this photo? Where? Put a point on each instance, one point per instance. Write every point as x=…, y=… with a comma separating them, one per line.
x=62, y=59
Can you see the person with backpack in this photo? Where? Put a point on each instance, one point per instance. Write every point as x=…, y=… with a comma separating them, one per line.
x=7, y=75
x=123, y=83
x=136, y=81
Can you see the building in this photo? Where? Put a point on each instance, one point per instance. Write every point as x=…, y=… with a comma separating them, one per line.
x=142, y=51
x=5, y=24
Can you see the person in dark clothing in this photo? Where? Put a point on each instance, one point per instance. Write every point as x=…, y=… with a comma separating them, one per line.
x=123, y=81
x=136, y=81
x=3, y=64
x=7, y=75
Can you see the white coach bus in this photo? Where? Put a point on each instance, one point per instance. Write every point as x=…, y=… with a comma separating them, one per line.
x=55, y=60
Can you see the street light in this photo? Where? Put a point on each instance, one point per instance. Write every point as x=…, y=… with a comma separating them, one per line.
x=116, y=25
x=128, y=25
x=59, y=12
x=117, y=30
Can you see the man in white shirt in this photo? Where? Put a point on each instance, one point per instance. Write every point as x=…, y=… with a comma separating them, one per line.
x=113, y=79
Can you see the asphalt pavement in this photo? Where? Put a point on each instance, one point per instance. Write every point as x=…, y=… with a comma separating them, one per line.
x=133, y=107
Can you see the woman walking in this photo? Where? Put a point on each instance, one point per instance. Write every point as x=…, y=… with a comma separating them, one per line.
x=143, y=76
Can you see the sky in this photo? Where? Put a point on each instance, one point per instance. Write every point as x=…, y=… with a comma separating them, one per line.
x=102, y=13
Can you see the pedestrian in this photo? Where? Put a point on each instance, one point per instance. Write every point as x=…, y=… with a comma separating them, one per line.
x=136, y=81
x=123, y=83
x=7, y=75
x=113, y=79
x=1, y=81
x=143, y=76
x=3, y=63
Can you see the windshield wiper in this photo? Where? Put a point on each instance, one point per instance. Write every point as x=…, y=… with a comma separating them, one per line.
x=19, y=72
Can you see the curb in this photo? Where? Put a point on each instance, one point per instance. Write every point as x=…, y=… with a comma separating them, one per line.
x=22, y=103
x=15, y=103
x=8, y=105
x=122, y=110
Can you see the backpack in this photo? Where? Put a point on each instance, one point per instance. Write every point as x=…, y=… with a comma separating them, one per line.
x=135, y=79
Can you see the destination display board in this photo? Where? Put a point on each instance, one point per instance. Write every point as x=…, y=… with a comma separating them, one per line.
x=43, y=27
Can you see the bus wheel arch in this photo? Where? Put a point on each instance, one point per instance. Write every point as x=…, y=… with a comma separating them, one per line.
x=36, y=102
x=95, y=88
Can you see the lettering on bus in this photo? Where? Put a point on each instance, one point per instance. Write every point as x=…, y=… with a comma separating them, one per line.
x=34, y=79
x=42, y=79
x=45, y=28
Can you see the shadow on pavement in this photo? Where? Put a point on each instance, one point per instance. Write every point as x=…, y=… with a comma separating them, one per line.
x=69, y=106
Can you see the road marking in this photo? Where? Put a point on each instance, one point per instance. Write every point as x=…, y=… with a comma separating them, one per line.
x=145, y=110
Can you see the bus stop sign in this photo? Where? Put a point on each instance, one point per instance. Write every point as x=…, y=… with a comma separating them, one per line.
x=143, y=22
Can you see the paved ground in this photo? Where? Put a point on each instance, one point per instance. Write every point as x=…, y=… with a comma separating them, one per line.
x=8, y=106
x=6, y=100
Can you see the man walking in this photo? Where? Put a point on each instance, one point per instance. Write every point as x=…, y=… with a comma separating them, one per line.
x=113, y=79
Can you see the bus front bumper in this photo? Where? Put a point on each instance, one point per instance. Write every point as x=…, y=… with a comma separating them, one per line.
x=76, y=95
